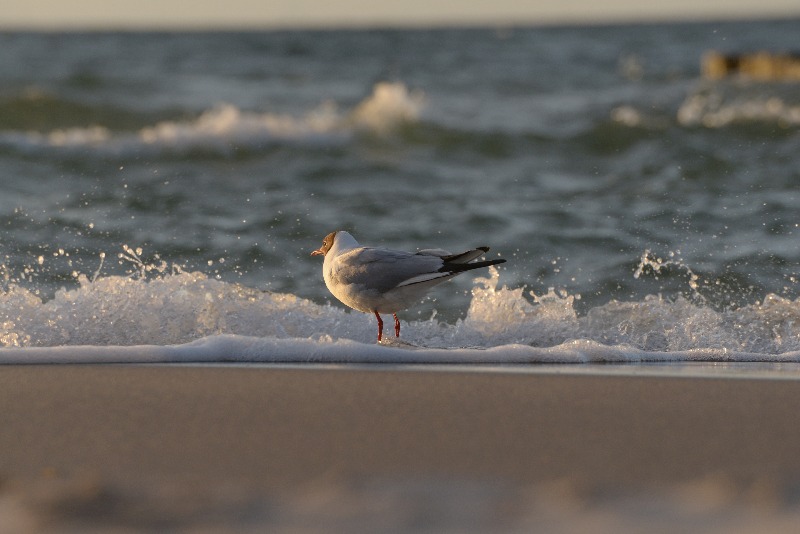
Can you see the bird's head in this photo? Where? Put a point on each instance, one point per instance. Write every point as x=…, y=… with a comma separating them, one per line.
x=327, y=243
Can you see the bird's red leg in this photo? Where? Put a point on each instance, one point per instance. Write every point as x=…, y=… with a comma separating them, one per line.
x=380, y=326
x=396, y=325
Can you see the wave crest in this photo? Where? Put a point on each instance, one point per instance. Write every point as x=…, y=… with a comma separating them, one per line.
x=718, y=106
x=226, y=128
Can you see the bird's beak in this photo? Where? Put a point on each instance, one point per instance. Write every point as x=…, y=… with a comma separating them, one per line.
x=318, y=252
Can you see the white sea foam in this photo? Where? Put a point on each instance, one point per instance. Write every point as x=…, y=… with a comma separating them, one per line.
x=225, y=127
x=718, y=108
x=188, y=317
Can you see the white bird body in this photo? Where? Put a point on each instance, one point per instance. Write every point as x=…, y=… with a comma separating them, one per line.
x=380, y=280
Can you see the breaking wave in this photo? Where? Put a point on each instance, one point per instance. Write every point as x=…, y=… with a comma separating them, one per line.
x=226, y=128
x=187, y=316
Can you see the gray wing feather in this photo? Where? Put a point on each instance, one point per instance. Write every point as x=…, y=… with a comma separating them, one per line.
x=382, y=269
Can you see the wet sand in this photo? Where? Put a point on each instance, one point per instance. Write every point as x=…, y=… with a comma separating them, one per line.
x=277, y=432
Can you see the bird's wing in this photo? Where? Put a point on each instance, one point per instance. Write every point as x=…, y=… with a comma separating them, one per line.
x=381, y=269
x=427, y=277
x=452, y=264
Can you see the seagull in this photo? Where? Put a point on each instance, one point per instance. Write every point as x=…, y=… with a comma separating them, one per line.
x=380, y=280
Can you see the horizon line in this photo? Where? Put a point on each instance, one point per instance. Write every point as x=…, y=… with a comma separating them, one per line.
x=379, y=25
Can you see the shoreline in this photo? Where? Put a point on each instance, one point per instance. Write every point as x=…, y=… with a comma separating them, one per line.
x=733, y=370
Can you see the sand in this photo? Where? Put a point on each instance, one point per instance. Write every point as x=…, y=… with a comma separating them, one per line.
x=253, y=445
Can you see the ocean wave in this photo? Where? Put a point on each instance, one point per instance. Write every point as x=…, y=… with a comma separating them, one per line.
x=226, y=128
x=718, y=106
x=187, y=316
x=715, y=105
x=713, y=112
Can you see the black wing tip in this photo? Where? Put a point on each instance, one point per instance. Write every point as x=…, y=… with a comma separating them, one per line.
x=485, y=249
x=461, y=267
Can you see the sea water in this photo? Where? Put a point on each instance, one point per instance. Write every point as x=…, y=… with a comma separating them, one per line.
x=163, y=191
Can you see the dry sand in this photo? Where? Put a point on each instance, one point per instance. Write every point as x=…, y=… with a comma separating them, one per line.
x=332, y=448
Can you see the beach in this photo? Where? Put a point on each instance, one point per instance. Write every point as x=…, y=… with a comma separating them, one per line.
x=240, y=447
